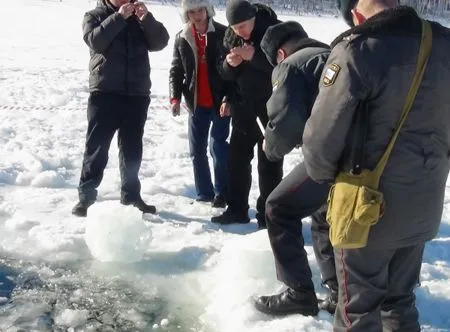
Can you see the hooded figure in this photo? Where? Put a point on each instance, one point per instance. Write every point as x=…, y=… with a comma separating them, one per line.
x=187, y=5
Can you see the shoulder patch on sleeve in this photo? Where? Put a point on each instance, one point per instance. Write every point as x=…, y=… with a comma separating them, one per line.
x=330, y=74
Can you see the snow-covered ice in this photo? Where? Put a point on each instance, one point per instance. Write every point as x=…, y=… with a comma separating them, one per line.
x=114, y=271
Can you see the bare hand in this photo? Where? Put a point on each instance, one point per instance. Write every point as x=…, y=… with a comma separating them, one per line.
x=246, y=52
x=233, y=59
x=140, y=10
x=126, y=10
x=175, y=107
x=225, y=110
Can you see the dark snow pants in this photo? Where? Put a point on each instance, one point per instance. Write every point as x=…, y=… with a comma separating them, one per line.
x=106, y=114
x=297, y=197
x=376, y=289
x=240, y=173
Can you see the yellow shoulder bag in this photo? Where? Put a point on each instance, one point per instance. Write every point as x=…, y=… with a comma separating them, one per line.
x=354, y=202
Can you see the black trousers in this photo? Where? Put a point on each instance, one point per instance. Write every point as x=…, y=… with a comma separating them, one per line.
x=376, y=289
x=270, y=173
x=295, y=198
x=106, y=114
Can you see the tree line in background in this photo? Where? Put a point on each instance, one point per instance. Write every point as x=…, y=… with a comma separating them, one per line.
x=427, y=8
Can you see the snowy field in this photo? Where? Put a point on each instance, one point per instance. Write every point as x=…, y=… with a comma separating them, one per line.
x=112, y=271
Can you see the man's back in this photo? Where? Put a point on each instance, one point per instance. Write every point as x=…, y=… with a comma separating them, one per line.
x=415, y=177
x=309, y=62
x=366, y=82
x=295, y=86
x=379, y=65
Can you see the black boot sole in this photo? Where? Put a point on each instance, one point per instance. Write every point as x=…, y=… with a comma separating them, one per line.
x=222, y=206
x=230, y=223
x=150, y=210
x=81, y=214
x=290, y=311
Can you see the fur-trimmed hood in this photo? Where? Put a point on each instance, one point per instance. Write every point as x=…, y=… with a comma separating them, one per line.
x=187, y=5
x=399, y=20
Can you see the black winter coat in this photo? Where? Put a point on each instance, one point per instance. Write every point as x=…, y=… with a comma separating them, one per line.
x=295, y=87
x=119, y=49
x=253, y=78
x=183, y=71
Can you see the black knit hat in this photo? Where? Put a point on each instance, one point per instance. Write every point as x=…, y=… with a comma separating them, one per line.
x=278, y=34
x=345, y=7
x=238, y=11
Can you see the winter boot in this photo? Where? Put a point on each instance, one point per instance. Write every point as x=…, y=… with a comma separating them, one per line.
x=230, y=217
x=289, y=302
x=204, y=199
x=330, y=302
x=219, y=201
x=140, y=205
x=261, y=219
x=80, y=209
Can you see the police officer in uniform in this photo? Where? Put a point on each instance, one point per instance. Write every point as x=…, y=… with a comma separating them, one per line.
x=373, y=64
x=299, y=62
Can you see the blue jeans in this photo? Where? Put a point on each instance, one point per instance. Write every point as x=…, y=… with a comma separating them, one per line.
x=199, y=124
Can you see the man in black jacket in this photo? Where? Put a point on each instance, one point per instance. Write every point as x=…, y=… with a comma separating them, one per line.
x=299, y=63
x=197, y=58
x=247, y=65
x=119, y=35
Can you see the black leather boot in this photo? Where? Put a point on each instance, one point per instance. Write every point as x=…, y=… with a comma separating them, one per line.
x=261, y=219
x=289, y=302
x=140, y=205
x=230, y=217
x=219, y=201
x=80, y=209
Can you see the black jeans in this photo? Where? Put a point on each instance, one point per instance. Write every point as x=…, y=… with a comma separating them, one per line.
x=106, y=114
x=270, y=173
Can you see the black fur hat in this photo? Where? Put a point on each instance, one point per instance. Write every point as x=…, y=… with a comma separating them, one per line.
x=278, y=34
x=345, y=7
x=238, y=11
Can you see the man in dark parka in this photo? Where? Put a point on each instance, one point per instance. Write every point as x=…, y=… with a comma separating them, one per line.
x=119, y=35
x=373, y=64
x=299, y=63
x=247, y=66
